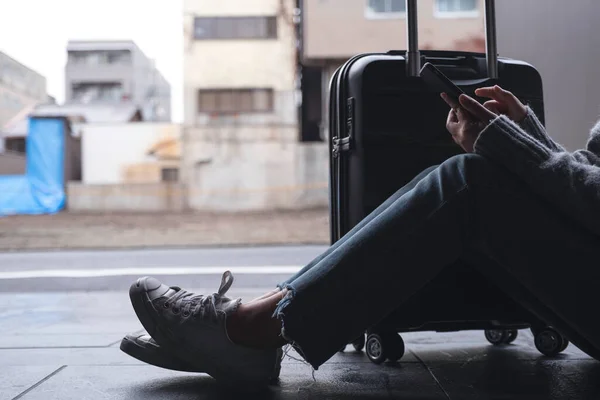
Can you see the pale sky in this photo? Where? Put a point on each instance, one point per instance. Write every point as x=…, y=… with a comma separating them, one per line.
x=35, y=33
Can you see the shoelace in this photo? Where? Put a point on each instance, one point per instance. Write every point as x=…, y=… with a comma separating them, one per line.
x=197, y=304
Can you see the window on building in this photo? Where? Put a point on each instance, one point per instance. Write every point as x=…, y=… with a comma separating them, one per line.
x=17, y=145
x=169, y=174
x=121, y=57
x=385, y=8
x=234, y=101
x=456, y=8
x=209, y=28
x=97, y=92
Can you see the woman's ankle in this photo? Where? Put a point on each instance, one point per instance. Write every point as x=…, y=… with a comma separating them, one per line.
x=253, y=324
x=265, y=296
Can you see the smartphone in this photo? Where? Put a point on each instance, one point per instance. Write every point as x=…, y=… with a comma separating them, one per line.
x=440, y=82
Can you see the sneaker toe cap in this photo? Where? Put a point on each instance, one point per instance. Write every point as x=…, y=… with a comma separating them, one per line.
x=152, y=287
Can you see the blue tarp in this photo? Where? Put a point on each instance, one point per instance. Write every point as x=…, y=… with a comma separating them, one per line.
x=41, y=190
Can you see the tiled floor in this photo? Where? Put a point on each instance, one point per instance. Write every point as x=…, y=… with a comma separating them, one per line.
x=65, y=346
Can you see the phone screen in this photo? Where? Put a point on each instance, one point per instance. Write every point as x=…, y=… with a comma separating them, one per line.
x=440, y=82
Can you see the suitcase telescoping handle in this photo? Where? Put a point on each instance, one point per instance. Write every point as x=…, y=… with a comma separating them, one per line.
x=413, y=56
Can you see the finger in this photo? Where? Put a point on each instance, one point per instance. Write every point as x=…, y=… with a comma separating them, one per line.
x=485, y=91
x=495, y=107
x=476, y=109
x=452, y=118
x=449, y=100
x=492, y=92
x=501, y=91
x=456, y=140
x=462, y=115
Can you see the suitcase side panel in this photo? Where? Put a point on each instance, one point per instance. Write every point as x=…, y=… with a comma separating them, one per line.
x=338, y=164
x=333, y=168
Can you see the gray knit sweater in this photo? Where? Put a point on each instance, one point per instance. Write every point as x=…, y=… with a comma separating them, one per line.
x=569, y=181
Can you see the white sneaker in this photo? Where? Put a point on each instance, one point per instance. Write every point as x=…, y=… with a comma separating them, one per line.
x=193, y=328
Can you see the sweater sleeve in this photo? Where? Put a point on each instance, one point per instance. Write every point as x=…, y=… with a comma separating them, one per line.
x=532, y=125
x=560, y=178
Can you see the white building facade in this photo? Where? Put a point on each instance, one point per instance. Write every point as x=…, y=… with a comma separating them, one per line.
x=240, y=144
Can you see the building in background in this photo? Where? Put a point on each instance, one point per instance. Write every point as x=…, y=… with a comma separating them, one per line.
x=20, y=88
x=116, y=73
x=239, y=63
x=332, y=31
x=240, y=138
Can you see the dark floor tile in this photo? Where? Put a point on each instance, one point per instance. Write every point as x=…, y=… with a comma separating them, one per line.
x=335, y=381
x=472, y=346
x=502, y=378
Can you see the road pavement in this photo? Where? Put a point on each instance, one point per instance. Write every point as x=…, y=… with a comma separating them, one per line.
x=114, y=270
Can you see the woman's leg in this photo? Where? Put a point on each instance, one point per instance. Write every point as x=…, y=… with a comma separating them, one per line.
x=401, y=192
x=352, y=287
x=543, y=259
x=466, y=204
x=534, y=253
x=405, y=189
x=397, y=253
x=375, y=269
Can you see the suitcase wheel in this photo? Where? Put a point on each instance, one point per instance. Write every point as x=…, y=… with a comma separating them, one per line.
x=512, y=336
x=358, y=344
x=382, y=346
x=549, y=342
x=501, y=336
x=565, y=345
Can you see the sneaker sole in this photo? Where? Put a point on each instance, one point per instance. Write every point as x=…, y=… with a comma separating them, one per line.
x=144, y=311
x=154, y=357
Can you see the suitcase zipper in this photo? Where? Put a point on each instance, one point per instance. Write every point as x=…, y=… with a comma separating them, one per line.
x=345, y=143
x=340, y=145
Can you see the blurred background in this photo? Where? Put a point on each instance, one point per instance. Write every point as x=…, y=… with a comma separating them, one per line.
x=193, y=122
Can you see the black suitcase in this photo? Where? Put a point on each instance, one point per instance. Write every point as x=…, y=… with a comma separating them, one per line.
x=377, y=125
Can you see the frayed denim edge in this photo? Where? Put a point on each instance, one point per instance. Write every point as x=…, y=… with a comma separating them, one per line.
x=280, y=315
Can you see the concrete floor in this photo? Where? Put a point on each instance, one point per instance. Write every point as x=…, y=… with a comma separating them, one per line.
x=65, y=346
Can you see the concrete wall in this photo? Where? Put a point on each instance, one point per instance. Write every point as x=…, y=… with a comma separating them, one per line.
x=253, y=169
x=20, y=87
x=12, y=163
x=561, y=39
x=126, y=197
x=21, y=78
x=339, y=29
x=109, y=151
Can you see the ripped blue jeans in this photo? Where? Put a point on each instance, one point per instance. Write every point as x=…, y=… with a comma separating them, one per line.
x=465, y=204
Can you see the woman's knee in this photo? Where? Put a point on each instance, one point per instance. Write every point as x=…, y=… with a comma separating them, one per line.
x=472, y=168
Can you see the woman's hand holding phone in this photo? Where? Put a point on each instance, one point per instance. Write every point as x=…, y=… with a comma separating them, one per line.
x=503, y=102
x=466, y=120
